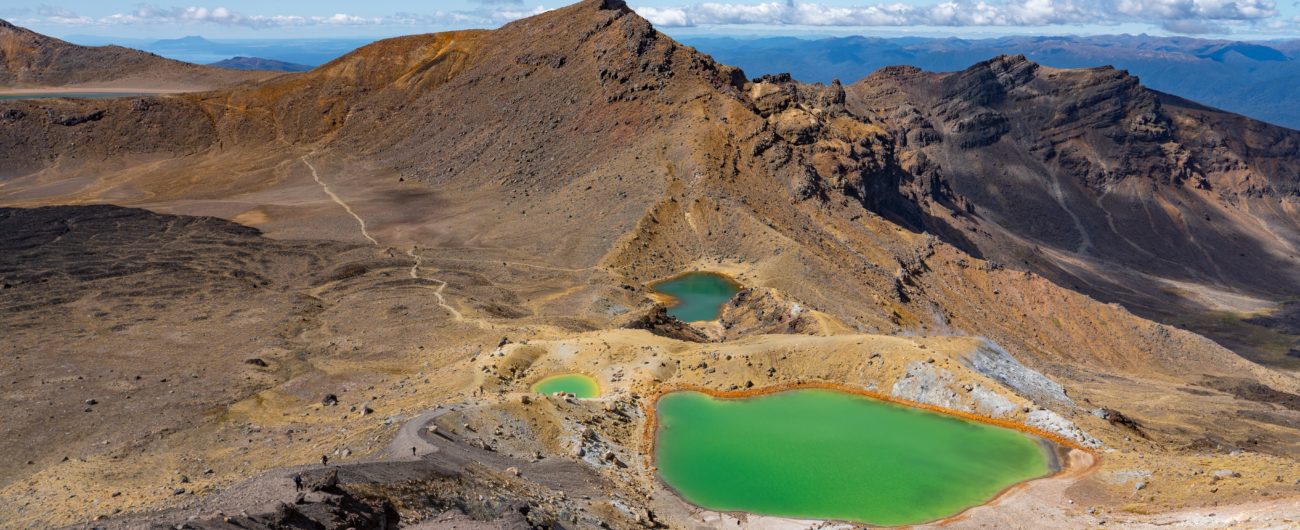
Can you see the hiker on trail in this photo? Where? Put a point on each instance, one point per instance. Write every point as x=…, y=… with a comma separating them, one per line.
x=324, y=460
x=412, y=450
x=297, y=482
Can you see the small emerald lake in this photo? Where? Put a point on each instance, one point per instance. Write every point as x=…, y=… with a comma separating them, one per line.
x=698, y=295
x=577, y=384
x=822, y=454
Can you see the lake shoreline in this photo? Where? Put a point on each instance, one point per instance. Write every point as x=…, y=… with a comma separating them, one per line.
x=673, y=302
x=1065, y=458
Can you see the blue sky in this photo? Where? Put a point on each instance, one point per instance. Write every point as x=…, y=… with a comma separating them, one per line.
x=1241, y=19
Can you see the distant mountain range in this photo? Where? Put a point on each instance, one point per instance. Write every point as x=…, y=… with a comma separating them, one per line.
x=197, y=49
x=257, y=63
x=1255, y=79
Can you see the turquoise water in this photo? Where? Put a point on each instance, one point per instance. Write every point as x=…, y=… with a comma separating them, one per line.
x=698, y=295
x=577, y=384
x=822, y=454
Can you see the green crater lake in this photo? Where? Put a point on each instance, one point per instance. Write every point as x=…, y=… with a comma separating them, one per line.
x=577, y=384
x=821, y=454
x=699, y=295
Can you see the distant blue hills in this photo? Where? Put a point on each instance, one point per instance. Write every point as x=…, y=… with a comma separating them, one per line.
x=1257, y=79
x=258, y=63
x=200, y=50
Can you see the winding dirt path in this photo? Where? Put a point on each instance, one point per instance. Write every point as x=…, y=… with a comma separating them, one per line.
x=361, y=222
x=408, y=437
x=456, y=315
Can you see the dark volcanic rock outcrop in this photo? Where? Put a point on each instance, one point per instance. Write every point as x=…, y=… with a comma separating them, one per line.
x=332, y=509
x=657, y=320
x=1093, y=180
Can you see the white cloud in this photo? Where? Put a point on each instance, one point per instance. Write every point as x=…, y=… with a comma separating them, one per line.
x=507, y=15
x=152, y=14
x=1189, y=15
x=1180, y=16
x=59, y=15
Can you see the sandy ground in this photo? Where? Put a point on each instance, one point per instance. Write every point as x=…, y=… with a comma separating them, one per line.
x=93, y=89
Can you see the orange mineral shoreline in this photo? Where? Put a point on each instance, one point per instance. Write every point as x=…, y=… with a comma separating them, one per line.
x=652, y=418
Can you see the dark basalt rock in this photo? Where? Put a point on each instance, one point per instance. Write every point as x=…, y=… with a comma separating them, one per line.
x=780, y=78
x=327, y=481
x=1115, y=417
x=75, y=119
x=312, y=512
x=987, y=83
x=658, y=321
x=1022, y=144
x=980, y=130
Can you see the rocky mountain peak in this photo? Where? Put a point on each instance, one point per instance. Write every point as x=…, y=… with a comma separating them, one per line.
x=989, y=81
x=1007, y=61
x=11, y=32
x=619, y=5
x=897, y=71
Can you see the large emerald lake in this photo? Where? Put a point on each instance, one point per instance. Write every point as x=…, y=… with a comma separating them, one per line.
x=822, y=454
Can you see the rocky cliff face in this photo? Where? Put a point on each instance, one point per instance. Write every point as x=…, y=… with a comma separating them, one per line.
x=1093, y=180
